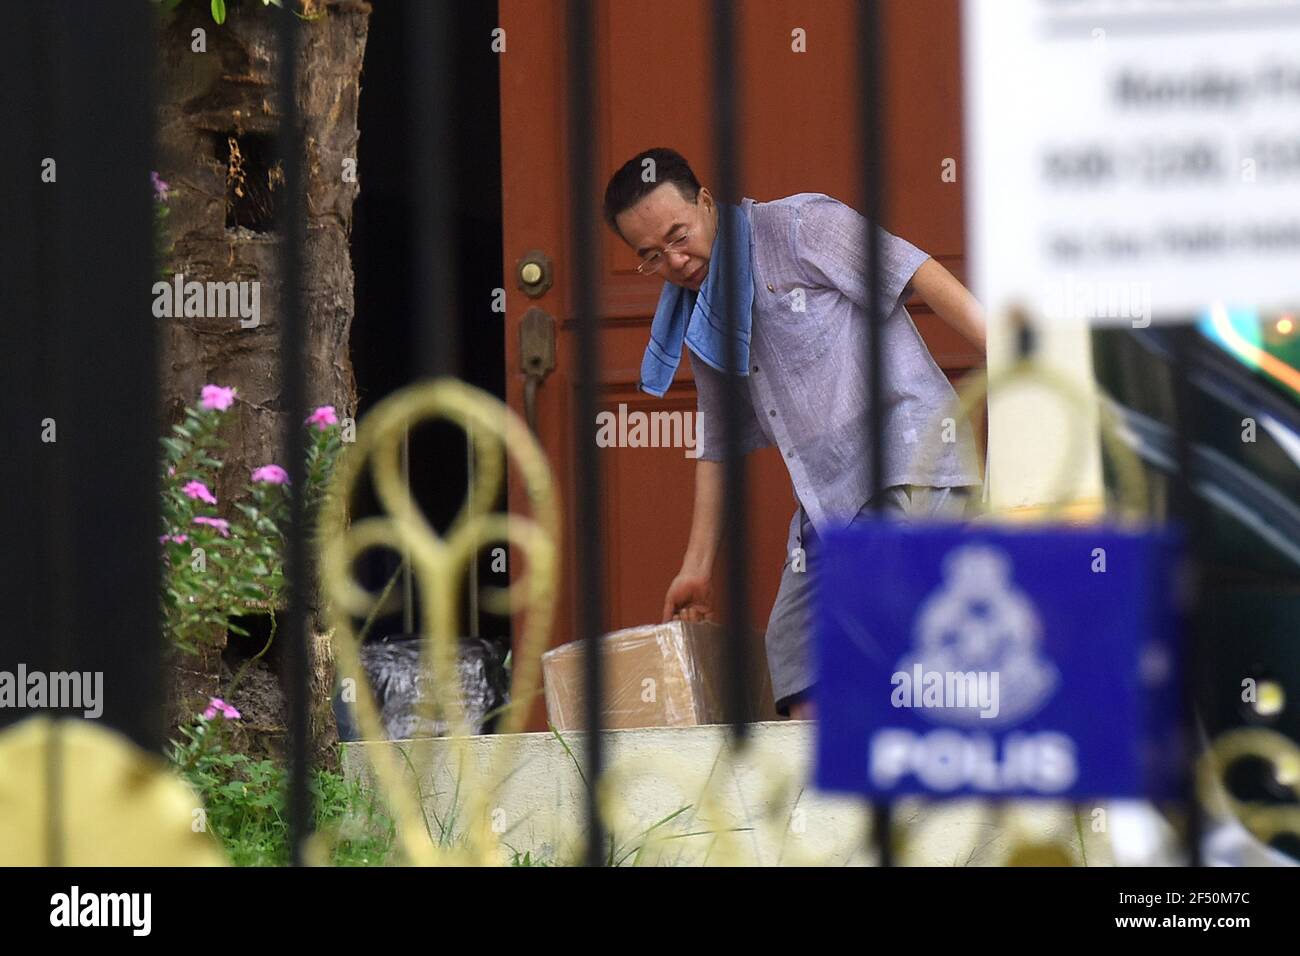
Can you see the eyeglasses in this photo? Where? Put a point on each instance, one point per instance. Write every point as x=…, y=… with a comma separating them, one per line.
x=655, y=261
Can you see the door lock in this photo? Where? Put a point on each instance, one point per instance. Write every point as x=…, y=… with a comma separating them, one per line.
x=536, y=357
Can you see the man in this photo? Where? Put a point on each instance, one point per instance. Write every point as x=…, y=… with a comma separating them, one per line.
x=801, y=281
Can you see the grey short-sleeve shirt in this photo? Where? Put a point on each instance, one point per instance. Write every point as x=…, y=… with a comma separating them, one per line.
x=808, y=376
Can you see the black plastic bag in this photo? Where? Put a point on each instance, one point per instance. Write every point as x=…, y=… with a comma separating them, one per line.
x=401, y=686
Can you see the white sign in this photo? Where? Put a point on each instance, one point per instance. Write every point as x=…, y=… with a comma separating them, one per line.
x=1133, y=160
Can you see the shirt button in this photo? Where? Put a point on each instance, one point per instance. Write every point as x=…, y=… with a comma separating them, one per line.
x=769, y=288
x=755, y=368
x=772, y=412
x=790, y=453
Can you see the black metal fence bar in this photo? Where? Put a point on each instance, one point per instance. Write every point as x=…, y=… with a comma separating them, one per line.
x=78, y=383
x=298, y=570
x=434, y=293
x=432, y=75
x=586, y=503
x=103, y=507
x=27, y=337
x=870, y=129
x=1191, y=508
x=87, y=359
x=18, y=290
x=736, y=518
x=52, y=469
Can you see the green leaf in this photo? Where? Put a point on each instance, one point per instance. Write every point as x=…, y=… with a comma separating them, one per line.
x=175, y=447
x=219, y=11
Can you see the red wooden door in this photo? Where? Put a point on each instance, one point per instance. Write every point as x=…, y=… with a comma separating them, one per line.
x=797, y=135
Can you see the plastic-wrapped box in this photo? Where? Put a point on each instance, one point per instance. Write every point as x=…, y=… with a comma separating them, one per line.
x=656, y=675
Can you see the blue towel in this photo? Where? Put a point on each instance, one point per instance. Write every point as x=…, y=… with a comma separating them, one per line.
x=684, y=315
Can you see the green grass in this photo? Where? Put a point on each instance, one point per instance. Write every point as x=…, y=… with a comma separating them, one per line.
x=244, y=803
x=619, y=851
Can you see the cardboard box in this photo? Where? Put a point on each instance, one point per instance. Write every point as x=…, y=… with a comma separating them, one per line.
x=656, y=675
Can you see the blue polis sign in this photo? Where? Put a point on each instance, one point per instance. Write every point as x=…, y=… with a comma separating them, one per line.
x=954, y=661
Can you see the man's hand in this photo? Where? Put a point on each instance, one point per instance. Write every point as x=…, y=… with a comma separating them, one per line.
x=689, y=597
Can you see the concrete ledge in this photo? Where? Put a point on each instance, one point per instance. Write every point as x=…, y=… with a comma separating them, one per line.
x=677, y=796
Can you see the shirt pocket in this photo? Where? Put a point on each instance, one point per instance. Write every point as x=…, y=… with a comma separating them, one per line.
x=808, y=327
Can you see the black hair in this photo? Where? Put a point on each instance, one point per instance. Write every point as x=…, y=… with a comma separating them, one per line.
x=629, y=185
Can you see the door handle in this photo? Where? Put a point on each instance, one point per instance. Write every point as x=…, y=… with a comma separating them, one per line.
x=536, y=357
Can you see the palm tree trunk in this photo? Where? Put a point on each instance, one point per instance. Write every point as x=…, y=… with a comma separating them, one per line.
x=217, y=122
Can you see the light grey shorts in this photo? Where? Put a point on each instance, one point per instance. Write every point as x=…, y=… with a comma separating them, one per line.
x=789, y=628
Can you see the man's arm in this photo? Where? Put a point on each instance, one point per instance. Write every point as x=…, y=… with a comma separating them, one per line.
x=830, y=247
x=690, y=595
x=950, y=300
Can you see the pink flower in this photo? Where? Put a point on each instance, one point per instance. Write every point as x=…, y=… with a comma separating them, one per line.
x=273, y=474
x=160, y=187
x=178, y=538
x=197, y=489
x=323, y=417
x=217, y=397
x=171, y=471
x=221, y=524
x=218, y=706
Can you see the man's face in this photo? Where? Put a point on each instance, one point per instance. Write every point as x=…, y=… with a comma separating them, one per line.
x=664, y=215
